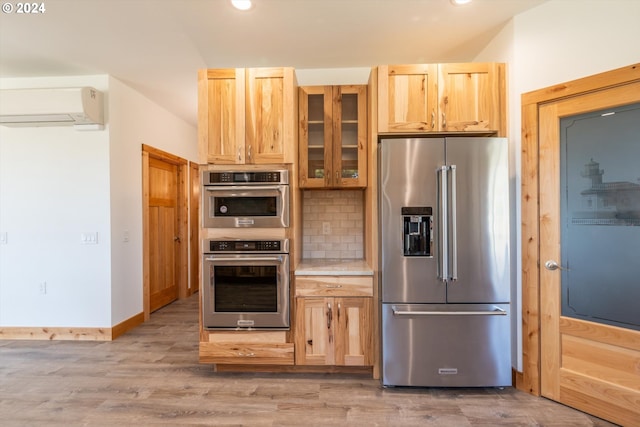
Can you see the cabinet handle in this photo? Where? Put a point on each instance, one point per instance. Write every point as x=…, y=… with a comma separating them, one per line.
x=433, y=119
x=337, y=176
x=246, y=354
x=338, y=312
x=329, y=316
x=249, y=153
x=239, y=155
x=333, y=286
x=444, y=120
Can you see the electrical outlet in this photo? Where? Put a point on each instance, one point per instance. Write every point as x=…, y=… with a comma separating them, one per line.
x=42, y=287
x=326, y=228
x=125, y=236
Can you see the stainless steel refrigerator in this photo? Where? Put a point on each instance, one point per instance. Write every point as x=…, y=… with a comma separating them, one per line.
x=445, y=262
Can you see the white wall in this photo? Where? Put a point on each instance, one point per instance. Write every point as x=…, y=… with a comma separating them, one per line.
x=56, y=183
x=559, y=41
x=136, y=121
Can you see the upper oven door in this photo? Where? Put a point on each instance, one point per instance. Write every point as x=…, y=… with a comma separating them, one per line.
x=246, y=206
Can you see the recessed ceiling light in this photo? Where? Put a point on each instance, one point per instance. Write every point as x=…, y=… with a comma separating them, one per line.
x=460, y=2
x=241, y=4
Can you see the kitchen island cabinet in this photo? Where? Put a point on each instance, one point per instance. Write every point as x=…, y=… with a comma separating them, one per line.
x=247, y=116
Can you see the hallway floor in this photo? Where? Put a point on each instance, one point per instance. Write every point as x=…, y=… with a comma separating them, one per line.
x=151, y=376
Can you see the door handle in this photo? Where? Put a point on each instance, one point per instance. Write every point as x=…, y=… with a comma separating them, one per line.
x=551, y=265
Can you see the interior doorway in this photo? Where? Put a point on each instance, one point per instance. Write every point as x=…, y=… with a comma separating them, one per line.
x=165, y=228
x=581, y=229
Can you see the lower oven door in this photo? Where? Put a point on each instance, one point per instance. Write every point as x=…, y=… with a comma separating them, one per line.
x=246, y=206
x=246, y=291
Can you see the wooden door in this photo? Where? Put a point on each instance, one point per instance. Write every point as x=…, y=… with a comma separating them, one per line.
x=314, y=332
x=587, y=362
x=221, y=116
x=471, y=97
x=271, y=115
x=407, y=98
x=354, y=326
x=163, y=233
x=165, y=255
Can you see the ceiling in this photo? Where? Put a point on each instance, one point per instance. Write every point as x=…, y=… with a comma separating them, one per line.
x=157, y=46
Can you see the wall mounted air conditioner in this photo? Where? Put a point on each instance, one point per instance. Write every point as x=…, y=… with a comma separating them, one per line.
x=82, y=107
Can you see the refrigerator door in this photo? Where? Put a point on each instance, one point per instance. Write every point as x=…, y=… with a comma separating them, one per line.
x=478, y=183
x=408, y=179
x=446, y=345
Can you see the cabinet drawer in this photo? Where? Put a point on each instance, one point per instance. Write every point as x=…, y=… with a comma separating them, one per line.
x=247, y=353
x=323, y=286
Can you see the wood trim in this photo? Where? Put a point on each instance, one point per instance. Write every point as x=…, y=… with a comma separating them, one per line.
x=529, y=379
x=194, y=229
x=126, y=325
x=608, y=79
x=56, y=334
x=146, y=305
x=358, y=370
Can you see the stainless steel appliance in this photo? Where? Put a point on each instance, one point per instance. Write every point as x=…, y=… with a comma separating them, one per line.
x=246, y=284
x=445, y=263
x=245, y=199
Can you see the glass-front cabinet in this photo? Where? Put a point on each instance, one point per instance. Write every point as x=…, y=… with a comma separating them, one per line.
x=333, y=136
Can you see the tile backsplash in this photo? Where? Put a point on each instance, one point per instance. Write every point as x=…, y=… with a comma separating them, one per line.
x=332, y=224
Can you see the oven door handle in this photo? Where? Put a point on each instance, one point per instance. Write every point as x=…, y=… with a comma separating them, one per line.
x=235, y=188
x=245, y=259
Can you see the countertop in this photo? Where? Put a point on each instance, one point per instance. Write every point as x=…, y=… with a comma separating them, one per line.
x=333, y=267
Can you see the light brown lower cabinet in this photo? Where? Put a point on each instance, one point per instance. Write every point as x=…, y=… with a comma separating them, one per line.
x=334, y=331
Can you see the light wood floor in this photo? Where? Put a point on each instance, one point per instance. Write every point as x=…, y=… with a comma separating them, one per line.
x=151, y=376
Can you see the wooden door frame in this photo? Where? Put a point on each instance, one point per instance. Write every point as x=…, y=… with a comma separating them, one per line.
x=529, y=379
x=182, y=267
x=194, y=228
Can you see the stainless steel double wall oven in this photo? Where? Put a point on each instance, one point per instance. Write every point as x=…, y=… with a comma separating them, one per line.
x=245, y=282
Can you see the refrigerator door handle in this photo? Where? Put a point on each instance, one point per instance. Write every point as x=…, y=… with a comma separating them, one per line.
x=443, y=253
x=497, y=311
x=454, y=220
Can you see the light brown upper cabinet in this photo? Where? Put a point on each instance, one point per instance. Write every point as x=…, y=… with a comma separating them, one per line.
x=466, y=97
x=333, y=136
x=247, y=116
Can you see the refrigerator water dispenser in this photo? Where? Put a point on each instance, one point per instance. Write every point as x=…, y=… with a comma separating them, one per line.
x=417, y=223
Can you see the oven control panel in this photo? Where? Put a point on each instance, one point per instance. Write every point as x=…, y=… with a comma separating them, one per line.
x=214, y=246
x=246, y=178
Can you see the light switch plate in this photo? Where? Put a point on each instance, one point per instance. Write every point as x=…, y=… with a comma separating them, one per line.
x=89, y=238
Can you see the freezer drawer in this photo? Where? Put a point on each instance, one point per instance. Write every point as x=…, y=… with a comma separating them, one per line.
x=446, y=345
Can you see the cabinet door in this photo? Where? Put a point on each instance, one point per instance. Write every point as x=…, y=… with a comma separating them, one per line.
x=472, y=97
x=271, y=109
x=407, y=98
x=315, y=133
x=221, y=116
x=350, y=136
x=354, y=327
x=314, y=341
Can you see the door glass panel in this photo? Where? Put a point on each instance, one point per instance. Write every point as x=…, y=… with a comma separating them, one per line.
x=600, y=216
x=349, y=149
x=316, y=137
